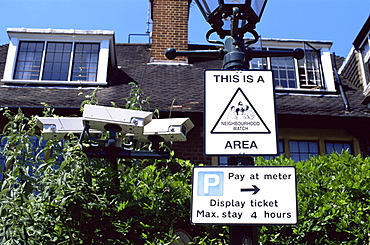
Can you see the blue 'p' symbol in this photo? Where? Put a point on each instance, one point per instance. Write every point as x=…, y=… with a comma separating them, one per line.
x=210, y=183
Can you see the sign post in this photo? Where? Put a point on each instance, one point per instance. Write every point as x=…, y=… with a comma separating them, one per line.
x=240, y=113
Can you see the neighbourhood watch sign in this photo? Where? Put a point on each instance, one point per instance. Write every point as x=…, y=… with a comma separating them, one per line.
x=240, y=113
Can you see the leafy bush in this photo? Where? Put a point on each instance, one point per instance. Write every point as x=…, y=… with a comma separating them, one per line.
x=67, y=198
x=55, y=194
x=333, y=202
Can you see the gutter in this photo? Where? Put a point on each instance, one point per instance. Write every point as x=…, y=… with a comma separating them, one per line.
x=347, y=107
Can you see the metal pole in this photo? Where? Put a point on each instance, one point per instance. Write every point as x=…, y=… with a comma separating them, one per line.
x=237, y=59
x=112, y=152
x=243, y=235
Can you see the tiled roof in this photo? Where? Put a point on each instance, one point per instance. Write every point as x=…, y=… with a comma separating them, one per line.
x=170, y=87
x=324, y=105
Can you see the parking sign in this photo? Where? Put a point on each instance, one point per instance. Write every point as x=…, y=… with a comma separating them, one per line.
x=244, y=195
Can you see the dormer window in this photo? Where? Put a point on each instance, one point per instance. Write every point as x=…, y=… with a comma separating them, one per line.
x=313, y=72
x=64, y=58
x=290, y=73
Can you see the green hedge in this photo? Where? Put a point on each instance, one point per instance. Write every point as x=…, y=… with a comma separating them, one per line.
x=333, y=202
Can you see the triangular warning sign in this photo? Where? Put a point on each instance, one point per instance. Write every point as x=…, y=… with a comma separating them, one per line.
x=240, y=117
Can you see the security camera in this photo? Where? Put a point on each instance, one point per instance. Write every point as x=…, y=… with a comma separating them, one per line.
x=130, y=121
x=57, y=128
x=169, y=129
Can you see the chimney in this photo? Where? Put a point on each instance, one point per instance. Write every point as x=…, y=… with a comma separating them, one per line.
x=170, y=27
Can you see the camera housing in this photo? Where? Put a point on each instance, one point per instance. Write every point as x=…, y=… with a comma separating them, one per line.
x=130, y=121
x=57, y=128
x=169, y=129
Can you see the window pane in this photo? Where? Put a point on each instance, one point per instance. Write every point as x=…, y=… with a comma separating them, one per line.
x=28, y=63
x=338, y=147
x=302, y=150
x=46, y=75
x=66, y=58
x=284, y=72
x=59, y=47
x=48, y=68
x=293, y=146
x=303, y=146
x=292, y=83
x=313, y=147
x=56, y=66
x=51, y=47
x=58, y=57
x=49, y=57
x=309, y=70
x=222, y=161
x=295, y=156
x=85, y=62
x=258, y=63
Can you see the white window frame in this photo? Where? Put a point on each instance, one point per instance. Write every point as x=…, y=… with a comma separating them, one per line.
x=104, y=38
x=328, y=83
x=298, y=84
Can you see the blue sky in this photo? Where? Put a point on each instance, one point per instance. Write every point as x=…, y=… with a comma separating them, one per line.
x=330, y=20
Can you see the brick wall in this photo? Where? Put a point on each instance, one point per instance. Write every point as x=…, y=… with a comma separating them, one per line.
x=192, y=149
x=170, y=27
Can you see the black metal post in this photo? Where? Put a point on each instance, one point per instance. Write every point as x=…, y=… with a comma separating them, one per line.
x=114, y=164
x=243, y=235
x=237, y=58
x=112, y=151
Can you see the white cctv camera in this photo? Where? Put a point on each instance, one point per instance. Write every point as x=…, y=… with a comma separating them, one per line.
x=130, y=121
x=169, y=129
x=57, y=128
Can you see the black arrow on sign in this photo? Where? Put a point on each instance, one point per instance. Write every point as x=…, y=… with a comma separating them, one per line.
x=255, y=189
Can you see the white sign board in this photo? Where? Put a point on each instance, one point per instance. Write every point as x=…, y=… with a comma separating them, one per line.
x=239, y=113
x=244, y=195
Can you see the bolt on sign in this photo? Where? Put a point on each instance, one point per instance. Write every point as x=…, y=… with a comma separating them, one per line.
x=244, y=195
x=239, y=115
